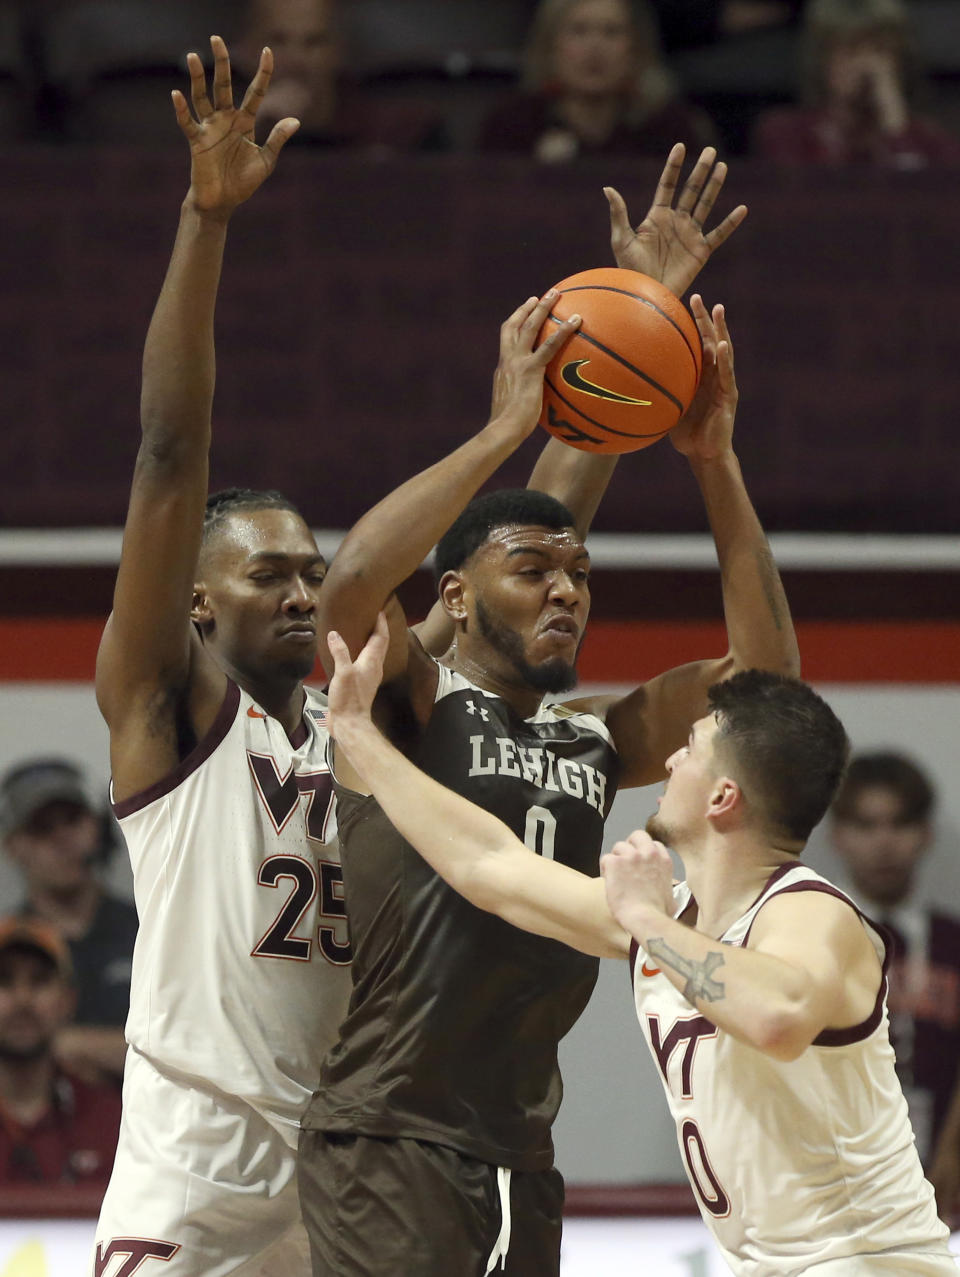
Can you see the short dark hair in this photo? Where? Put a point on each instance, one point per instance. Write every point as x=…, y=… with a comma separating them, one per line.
x=221, y=505
x=788, y=743
x=524, y=506
x=885, y=769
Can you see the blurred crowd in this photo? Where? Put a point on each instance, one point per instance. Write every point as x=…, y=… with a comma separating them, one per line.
x=66, y=953
x=792, y=81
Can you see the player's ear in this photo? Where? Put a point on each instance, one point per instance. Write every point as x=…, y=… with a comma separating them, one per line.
x=453, y=596
x=726, y=798
x=200, y=611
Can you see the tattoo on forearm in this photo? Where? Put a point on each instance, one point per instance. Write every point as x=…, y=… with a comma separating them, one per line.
x=772, y=587
x=700, y=983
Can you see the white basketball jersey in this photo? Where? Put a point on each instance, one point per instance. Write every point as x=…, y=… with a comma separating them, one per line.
x=240, y=970
x=793, y=1163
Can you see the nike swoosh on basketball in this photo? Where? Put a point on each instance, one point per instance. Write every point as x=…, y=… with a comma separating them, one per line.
x=644, y=970
x=254, y=713
x=576, y=381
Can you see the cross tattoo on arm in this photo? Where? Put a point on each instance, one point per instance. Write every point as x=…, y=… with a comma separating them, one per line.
x=700, y=983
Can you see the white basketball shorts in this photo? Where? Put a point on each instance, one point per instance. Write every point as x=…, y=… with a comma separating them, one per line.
x=202, y=1186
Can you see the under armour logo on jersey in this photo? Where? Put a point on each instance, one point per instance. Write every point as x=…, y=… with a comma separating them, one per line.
x=473, y=708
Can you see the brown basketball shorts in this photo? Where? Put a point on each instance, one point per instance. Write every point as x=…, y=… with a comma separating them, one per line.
x=405, y=1208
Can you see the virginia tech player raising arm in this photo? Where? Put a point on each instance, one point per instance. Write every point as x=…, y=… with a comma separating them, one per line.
x=220, y=784
x=155, y=681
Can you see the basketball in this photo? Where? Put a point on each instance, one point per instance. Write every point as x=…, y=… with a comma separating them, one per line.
x=628, y=374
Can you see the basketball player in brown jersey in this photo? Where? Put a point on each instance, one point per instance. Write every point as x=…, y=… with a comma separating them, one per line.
x=427, y=1147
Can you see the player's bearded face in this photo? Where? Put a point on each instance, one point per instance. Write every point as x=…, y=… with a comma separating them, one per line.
x=552, y=675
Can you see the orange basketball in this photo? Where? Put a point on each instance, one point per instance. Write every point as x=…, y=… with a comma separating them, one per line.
x=628, y=374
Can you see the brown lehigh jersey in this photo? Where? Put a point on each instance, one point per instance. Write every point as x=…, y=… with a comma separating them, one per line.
x=455, y=1016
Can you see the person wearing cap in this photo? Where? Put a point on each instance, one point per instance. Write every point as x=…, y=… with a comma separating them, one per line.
x=54, y=1127
x=52, y=832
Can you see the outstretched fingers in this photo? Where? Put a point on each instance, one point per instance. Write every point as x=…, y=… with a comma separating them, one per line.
x=222, y=86
x=202, y=105
x=279, y=136
x=257, y=88
x=620, y=227
x=726, y=228
x=188, y=124
x=696, y=184
x=711, y=190
x=667, y=185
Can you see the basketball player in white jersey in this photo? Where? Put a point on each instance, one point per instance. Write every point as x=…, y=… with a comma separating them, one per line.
x=240, y=971
x=760, y=987
x=220, y=783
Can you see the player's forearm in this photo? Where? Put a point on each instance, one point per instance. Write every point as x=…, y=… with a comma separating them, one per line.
x=478, y=855
x=577, y=479
x=452, y=834
x=756, y=998
x=759, y=625
x=178, y=359
x=390, y=541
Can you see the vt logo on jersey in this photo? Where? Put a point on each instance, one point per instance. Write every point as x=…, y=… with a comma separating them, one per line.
x=281, y=794
x=576, y=381
x=134, y=1251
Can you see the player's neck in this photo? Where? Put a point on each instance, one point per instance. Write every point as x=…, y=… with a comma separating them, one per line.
x=281, y=698
x=523, y=700
x=727, y=877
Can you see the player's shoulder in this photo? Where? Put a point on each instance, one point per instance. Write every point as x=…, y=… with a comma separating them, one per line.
x=802, y=902
x=585, y=713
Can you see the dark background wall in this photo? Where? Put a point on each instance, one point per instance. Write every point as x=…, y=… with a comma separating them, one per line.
x=357, y=330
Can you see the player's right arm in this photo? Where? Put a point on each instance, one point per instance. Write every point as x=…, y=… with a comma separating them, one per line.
x=392, y=539
x=468, y=847
x=153, y=679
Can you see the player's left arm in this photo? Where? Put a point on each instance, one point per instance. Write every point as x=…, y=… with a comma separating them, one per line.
x=650, y=723
x=809, y=965
x=477, y=854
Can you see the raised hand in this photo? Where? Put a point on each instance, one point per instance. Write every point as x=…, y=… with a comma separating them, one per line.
x=355, y=683
x=227, y=165
x=705, y=431
x=637, y=872
x=518, y=380
x=670, y=244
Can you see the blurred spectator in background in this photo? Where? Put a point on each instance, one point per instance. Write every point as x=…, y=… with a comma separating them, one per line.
x=53, y=833
x=881, y=829
x=55, y=1128
x=594, y=82
x=311, y=83
x=861, y=80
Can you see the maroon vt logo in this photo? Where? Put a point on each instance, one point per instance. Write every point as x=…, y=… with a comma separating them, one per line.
x=686, y=1035
x=281, y=794
x=133, y=1251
